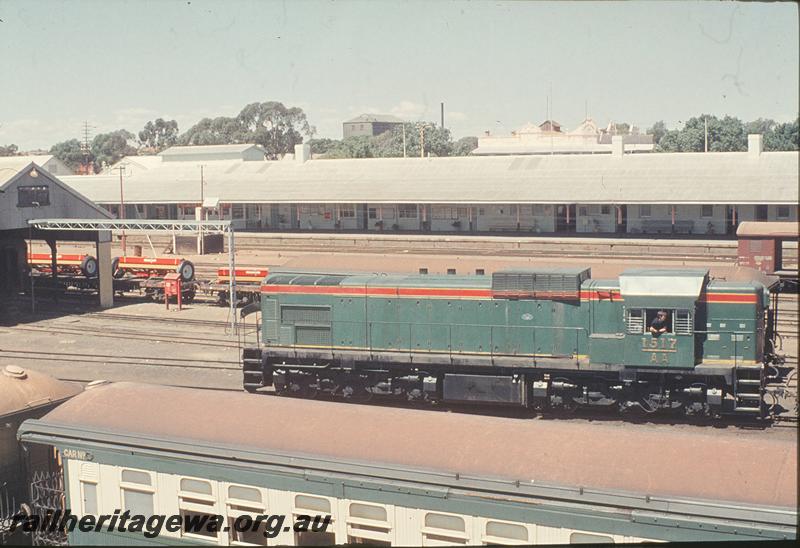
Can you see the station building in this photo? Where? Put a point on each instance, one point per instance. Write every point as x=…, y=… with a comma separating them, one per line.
x=693, y=194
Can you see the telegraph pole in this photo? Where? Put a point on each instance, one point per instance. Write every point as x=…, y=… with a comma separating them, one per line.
x=121, y=169
x=85, y=146
x=202, y=212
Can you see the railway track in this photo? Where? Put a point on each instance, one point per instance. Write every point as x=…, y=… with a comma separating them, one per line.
x=160, y=361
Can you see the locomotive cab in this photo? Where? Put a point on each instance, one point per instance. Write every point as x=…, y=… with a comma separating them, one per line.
x=659, y=313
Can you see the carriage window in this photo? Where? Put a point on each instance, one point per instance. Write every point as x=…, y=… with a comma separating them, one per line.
x=137, y=492
x=196, y=501
x=368, y=524
x=634, y=320
x=443, y=530
x=245, y=501
x=586, y=538
x=314, y=506
x=498, y=532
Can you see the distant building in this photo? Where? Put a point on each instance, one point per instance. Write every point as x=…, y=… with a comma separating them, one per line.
x=370, y=125
x=47, y=161
x=548, y=138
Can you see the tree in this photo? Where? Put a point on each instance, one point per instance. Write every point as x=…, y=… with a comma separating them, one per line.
x=464, y=146
x=159, y=134
x=437, y=141
x=71, y=153
x=274, y=126
x=658, y=130
x=783, y=137
x=108, y=148
x=323, y=146
x=219, y=131
x=353, y=147
x=9, y=150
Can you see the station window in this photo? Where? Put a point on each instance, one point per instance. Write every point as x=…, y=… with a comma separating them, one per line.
x=245, y=501
x=196, y=501
x=33, y=196
x=605, y=210
x=407, y=211
x=783, y=212
x=444, y=530
x=538, y=209
x=307, y=505
x=644, y=211
x=586, y=538
x=707, y=211
x=498, y=532
x=138, y=492
x=368, y=524
x=583, y=211
x=372, y=213
x=348, y=211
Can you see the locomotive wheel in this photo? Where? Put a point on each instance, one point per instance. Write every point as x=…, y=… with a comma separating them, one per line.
x=186, y=270
x=354, y=391
x=89, y=266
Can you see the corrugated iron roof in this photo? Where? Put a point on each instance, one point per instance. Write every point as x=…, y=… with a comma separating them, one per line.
x=693, y=463
x=664, y=178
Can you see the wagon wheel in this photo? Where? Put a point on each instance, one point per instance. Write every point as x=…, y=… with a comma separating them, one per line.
x=89, y=266
x=186, y=270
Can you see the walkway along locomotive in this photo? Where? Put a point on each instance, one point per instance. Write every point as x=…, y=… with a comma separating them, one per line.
x=545, y=338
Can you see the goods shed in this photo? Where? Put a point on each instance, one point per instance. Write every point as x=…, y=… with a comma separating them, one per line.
x=28, y=191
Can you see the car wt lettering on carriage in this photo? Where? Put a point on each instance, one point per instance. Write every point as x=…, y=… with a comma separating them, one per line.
x=651, y=339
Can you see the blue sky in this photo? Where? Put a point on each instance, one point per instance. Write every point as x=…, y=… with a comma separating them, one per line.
x=118, y=64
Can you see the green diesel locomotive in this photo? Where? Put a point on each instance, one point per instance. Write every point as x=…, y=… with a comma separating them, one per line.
x=544, y=338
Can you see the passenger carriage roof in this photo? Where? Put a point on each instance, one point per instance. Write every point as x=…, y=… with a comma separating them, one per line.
x=689, y=462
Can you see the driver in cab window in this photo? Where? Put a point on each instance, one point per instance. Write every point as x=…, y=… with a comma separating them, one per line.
x=660, y=324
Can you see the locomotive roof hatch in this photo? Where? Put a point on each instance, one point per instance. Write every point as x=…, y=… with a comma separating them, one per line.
x=662, y=287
